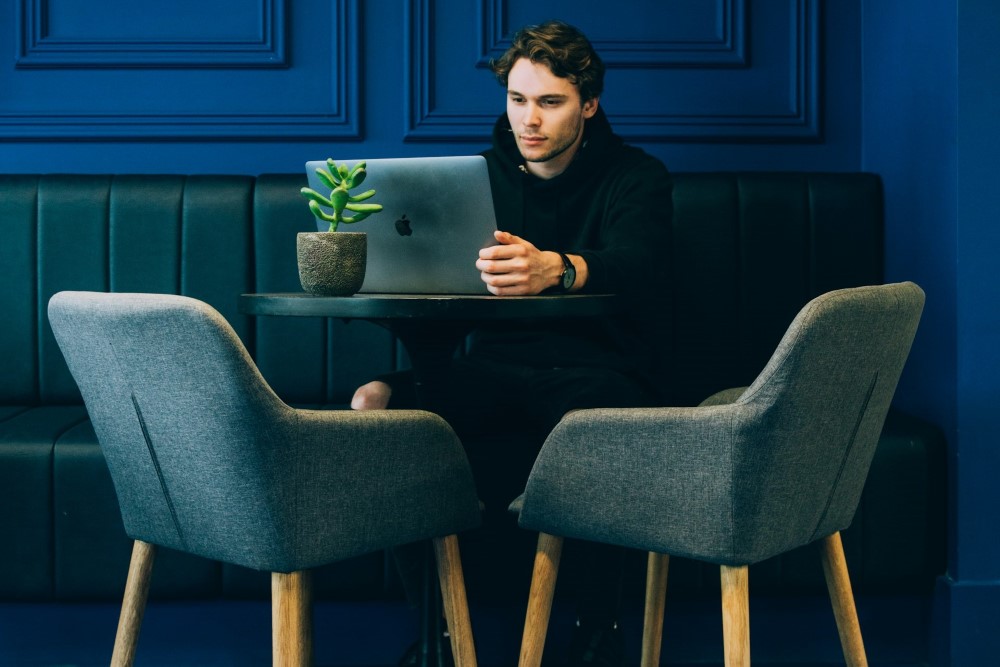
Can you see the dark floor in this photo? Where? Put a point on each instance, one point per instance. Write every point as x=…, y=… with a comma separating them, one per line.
x=784, y=631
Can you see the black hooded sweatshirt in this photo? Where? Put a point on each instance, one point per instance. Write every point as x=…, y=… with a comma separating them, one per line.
x=612, y=206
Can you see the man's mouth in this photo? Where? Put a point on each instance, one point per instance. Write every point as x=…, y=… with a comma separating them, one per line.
x=531, y=140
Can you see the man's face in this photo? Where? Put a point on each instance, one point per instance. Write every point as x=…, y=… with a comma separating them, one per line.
x=546, y=116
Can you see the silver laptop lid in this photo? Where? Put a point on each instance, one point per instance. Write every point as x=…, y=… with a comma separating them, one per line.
x=437, y=214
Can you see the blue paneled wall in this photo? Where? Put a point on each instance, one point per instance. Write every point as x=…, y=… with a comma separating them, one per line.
x=255, y=86
x=249, y=86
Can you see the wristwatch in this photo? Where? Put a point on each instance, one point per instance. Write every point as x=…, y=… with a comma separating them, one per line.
x=568, y=274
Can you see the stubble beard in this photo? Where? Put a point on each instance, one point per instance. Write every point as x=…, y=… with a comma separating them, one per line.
x=557, y=150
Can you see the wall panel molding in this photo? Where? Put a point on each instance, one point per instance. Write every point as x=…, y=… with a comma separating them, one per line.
x=37, y=47
x=726, y=47
x=800, y=119
x=220, y=112
x=791, y=108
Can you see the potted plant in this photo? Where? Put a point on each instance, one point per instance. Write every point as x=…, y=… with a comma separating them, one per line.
x=333, y=264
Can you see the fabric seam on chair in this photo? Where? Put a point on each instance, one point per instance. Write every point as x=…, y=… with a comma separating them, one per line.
x=847, y=455
x=159, y=473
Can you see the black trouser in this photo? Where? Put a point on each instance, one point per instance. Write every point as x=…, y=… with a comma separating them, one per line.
x=502, y=413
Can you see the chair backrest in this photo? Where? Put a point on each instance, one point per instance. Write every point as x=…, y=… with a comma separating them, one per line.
x=169, y=370
x=808, y=426
x=205, y=458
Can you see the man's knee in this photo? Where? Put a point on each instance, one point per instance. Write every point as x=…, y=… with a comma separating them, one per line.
x=371, y=396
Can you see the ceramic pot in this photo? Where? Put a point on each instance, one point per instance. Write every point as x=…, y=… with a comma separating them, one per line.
x=332, y=263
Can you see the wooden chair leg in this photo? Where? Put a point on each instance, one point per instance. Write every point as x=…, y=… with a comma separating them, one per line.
x=543, y=586
x=291, y=619
x=736, y=615
x=657, y=566
x=456, y=605
x=140, y=570
x=838, y=583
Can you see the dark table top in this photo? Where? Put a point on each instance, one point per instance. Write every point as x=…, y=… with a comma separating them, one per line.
x=428, y=306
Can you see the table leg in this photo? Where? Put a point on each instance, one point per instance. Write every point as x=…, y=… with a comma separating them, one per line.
x=431, y=649
x=431, y=349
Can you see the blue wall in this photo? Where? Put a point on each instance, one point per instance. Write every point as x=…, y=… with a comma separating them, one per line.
x=905, y=88
x=251, y=86
x=974, y=588
x=930, y=105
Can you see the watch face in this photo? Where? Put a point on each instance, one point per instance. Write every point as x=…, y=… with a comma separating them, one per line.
x=568, y=274
x=569, y=277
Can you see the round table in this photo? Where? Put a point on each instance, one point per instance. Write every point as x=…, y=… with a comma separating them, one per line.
x=432, y=307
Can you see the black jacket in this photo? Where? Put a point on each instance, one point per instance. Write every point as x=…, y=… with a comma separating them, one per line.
x=612, y=206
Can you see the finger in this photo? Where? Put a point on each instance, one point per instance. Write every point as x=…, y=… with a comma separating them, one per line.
x=498, y=252
x=503, y=279
x=487, y=266
x=507, y=238
x=502, y=264
x=515, y=290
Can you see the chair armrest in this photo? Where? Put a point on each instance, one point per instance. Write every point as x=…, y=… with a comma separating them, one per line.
x=373, y=479
x=615, y=475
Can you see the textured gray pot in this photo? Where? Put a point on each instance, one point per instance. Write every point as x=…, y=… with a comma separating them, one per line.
x=332, y=263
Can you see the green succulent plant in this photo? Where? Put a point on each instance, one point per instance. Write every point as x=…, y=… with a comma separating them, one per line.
x=341, y=180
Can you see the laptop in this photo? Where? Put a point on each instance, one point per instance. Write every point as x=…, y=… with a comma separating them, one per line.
x=437, y=214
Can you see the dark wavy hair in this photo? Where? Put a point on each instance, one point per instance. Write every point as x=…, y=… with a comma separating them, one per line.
x=566, y=51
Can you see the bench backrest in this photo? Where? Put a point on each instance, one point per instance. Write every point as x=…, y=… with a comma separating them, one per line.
x=749, y=249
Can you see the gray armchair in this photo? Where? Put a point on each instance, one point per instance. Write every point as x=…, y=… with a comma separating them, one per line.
x=206, y=459
x=749, y=474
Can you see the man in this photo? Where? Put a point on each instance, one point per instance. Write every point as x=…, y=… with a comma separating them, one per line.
x=579, y=211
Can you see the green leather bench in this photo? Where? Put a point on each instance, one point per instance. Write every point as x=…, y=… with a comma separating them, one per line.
x=748, y=250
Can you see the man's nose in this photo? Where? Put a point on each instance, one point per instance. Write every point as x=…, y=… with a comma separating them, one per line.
x=531, y=116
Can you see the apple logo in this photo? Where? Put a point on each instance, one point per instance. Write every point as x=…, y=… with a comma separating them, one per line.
x=403, y=226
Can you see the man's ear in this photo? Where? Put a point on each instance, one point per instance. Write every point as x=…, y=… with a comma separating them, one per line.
x=590, y=107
